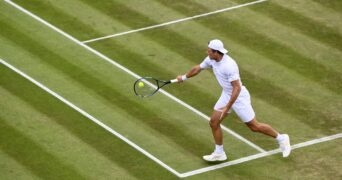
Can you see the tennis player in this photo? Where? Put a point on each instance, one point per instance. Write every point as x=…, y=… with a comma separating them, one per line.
x=234, y=97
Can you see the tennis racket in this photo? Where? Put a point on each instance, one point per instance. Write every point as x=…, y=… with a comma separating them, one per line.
x=147, y=86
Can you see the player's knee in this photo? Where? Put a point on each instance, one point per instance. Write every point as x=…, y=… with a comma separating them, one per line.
x=214, y=124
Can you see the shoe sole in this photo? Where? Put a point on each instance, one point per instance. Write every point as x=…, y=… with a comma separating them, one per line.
x=223, y=159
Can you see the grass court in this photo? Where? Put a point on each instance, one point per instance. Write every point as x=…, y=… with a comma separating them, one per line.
x=68, y=110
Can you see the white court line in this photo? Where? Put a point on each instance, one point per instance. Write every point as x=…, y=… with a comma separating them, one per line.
x=104, y=126
x=130, y=72
x=260, y=155
x=175, y=21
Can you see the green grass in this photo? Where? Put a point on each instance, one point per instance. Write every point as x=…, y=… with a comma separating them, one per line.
x=336, y=5
x=289, y=60
x=75, y=130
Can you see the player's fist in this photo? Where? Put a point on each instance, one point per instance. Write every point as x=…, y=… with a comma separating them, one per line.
x=179, y=78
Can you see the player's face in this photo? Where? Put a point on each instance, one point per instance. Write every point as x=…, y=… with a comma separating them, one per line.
x=212, y=54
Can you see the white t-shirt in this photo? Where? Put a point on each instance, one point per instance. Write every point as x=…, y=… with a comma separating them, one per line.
x=225, y=71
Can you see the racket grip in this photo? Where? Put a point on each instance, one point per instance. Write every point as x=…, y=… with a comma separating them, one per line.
x=174, y=80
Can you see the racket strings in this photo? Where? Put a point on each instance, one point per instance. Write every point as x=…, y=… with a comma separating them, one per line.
x=145, y=87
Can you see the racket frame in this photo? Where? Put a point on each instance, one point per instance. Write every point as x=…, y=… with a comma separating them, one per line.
x=160, y=84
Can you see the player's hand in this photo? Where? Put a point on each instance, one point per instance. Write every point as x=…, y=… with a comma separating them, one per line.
x=179, y=78
x=224, y=112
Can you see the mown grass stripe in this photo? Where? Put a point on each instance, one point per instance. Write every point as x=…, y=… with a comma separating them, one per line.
x=315, y=11
x=85, y=14
x=319, y=51
x=307, y=26
x=64, y=21
x=332, y=4
x=29, y=153
x=11, y=169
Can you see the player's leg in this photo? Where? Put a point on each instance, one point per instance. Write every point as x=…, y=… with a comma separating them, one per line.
x=215, y=127
x=215, y=122
x=256, y=126
x=218, y=154
x=244, y=110
x=283, y=139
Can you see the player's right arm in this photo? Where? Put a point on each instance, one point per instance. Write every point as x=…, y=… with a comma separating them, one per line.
x=193, y=72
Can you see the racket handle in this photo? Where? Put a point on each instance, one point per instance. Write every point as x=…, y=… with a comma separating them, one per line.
x=174, y=80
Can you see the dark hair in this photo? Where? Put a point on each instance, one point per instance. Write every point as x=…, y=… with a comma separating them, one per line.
x=214, y=51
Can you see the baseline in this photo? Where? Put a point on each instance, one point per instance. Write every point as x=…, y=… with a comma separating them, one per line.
x=259, y=155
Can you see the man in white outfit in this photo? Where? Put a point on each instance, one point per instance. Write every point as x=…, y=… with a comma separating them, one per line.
x=234, y=97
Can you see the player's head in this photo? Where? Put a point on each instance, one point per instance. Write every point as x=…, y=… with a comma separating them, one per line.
x=217, y=45
x=216, y=49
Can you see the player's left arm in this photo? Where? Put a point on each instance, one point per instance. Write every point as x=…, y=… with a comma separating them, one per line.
x=235, y=93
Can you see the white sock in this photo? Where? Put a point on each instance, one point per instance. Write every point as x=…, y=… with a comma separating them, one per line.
x=219, y=149
x=279, y=137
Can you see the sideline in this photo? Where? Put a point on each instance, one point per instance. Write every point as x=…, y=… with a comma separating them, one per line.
x=260, y=155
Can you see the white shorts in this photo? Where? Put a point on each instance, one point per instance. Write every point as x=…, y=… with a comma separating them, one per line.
x=242, y=106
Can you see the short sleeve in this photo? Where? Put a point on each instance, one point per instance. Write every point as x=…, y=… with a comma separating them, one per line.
x=233, y=73
x=206, y=63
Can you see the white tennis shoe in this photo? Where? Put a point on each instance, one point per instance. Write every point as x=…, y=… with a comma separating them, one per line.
x=284, y=145
x=215, y=157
